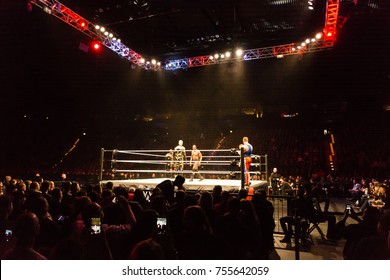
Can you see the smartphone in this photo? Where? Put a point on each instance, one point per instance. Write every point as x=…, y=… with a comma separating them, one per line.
x=161, y=225
x=96, y=226
x=8, y=234
x=348, y=208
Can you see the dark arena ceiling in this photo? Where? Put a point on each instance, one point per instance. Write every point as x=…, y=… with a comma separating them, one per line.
x=173, y=28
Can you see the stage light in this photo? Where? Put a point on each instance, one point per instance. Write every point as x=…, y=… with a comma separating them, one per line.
x=154, y=62
x=239, y=52
x=313, y=40
x=329, y=34
x=106, y=33
x=97, y=26
x=47, y=10
x=310, y=2
x=159, y=63
x=211, y=57
x=318, y=36
x=303, y=44
x=102, y=29
x=216, y=56
x=111, y=35
x=142, y=60
x=293, y=49
x=119, y=40
x=307, y=41
x=96, y=46
x=83, y=24
x=227, y=54
x=222, y=56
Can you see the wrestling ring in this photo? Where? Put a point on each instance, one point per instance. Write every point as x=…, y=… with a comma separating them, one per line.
x=147, y=168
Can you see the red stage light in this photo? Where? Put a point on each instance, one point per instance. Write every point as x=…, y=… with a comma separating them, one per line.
x=96, y=46
x=82, y=24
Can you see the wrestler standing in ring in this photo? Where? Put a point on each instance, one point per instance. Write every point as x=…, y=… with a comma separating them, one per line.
x=169, y=166
x=179, y=156
x=248, y=149
x=196, y=159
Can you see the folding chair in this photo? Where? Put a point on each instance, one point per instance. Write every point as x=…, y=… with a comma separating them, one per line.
x=315, y=225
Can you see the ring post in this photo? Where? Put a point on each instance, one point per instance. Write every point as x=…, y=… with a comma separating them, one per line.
x=242, y=167
x=101, y=164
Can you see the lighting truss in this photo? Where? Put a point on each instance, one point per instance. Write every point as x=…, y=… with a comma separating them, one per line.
x=312, y=44
x=259, y=53
x=331, y=17
x=107, y=38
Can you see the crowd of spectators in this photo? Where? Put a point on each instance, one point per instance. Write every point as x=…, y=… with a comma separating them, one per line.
x=48, y=221
x=60, y=220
